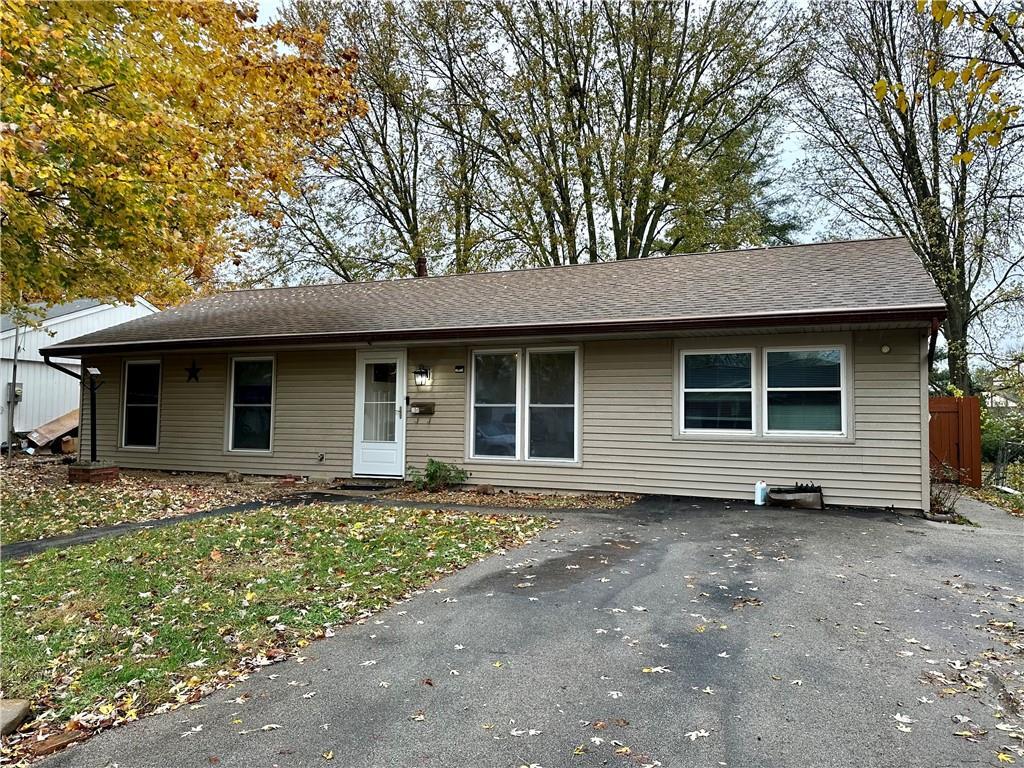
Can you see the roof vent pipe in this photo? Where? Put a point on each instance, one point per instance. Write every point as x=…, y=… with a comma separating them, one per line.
x=421, y=266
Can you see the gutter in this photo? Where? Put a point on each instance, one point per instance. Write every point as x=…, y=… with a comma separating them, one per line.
x=925, y=313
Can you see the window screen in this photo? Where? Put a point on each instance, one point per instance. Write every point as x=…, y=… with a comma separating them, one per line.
x=141, y=404
x=552, y=404
x=718, y=391
x=252, y=393
x=495, y=403
x=805, y=390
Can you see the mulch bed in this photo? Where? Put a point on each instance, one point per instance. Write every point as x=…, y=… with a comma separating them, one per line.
x=503, y=498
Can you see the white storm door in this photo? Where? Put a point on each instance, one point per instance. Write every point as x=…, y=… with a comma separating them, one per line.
x=379, y=449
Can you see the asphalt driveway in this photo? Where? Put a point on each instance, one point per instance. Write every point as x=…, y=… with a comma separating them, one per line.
x=677, y=634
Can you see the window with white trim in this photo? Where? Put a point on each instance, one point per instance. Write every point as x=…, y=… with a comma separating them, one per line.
x=717, y=391
x=495, y=404
x=804, y=390
x=141, y=422
x=252, y=403
x=551, y=396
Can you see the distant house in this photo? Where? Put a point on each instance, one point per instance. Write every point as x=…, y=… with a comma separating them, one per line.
x=693, y=375
x=45, y=392
x=1002, y=395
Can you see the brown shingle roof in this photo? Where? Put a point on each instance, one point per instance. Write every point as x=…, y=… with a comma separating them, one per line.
x=828, y=282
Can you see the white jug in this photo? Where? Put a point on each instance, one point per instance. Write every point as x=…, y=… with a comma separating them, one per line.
x=760, y=493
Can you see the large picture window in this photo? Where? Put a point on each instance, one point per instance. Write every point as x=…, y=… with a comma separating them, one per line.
x=804, y=390
x=525, y=404
x=495, y=404
x=551, y=404
x=252, y=404
x=141, y=422
x=718, y=392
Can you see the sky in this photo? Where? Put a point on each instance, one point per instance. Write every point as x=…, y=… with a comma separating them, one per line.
x=268, y=9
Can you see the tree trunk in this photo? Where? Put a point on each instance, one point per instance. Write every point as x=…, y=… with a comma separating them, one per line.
x=955, y=331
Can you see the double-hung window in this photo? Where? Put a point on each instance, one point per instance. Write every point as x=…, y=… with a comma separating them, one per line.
x=252, y=403
x=533, y=416
x=804, y=390
x=496, y=404
x=551, y=404
x=141, y=418
x=718, y=392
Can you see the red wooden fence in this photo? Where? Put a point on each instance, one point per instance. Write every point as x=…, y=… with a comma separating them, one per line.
x=954, y=438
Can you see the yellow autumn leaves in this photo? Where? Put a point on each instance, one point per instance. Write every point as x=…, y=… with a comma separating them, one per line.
x=945, y=13
x=133, y=135
x=977, y=77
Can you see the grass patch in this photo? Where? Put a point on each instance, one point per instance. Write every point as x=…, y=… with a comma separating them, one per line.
x=37, y=502
x=101, y=633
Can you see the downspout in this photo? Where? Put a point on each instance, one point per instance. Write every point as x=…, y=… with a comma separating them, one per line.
x=936, y=324
x=61, y=368
x=11, y=397
x=92, y=402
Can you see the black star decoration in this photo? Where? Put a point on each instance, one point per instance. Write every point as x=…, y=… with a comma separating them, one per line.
x=193, y=372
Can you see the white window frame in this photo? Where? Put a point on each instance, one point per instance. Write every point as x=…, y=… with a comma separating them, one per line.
x=231, y=403
x=518, y=404
x=575, y=405
x=124, y=404
x=842, y=389
x=683, y=389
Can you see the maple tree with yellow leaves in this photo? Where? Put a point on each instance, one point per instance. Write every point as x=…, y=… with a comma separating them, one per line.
x=133, y=136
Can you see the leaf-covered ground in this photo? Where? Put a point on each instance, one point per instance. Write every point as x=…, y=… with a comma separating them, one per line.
x=520, y=499
x=38, y=502
x=100, y=634
x=1014, y=504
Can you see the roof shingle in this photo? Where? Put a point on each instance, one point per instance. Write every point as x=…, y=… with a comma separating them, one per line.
x=759, y=286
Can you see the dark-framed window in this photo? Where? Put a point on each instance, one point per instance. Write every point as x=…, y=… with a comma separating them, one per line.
x=252, y=404
x=140, y=426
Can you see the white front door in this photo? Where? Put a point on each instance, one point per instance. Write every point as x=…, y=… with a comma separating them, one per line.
x=379, y=449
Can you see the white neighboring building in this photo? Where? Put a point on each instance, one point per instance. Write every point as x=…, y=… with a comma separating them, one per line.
x=47, y=393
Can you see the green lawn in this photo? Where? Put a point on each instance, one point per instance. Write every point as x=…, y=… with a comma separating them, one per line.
x=118, y=627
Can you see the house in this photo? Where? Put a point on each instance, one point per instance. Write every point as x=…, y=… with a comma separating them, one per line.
x=46, y=393
x=692, y=375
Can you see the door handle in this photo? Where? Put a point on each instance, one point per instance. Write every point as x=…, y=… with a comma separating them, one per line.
x=399, y=411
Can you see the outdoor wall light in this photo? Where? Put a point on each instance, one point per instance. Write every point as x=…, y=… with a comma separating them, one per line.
x=422, y=376
x=886, y=349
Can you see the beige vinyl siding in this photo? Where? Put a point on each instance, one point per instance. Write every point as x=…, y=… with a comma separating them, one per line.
x=630, y=440
x=314, y=401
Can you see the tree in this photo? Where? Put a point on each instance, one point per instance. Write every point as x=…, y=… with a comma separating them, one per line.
x=620, y=117
x=134, y=134
x=976, y=77
x=396, y=185
x=888, y=170
x=539, y=132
